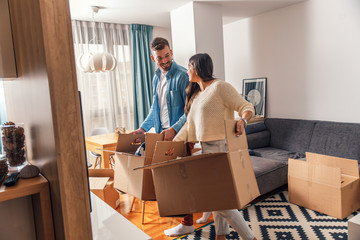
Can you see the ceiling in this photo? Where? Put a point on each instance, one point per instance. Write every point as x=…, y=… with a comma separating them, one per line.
x=157, y=12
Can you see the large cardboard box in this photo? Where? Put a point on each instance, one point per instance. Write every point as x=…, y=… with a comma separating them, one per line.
x=102, y=184
x=205, y=182
x=326, y=184
x=136, y=183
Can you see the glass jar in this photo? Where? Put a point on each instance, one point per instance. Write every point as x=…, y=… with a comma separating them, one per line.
x=4, y=169
x=13, y=140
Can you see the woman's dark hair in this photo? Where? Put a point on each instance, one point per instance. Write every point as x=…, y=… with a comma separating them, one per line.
x=203, y=67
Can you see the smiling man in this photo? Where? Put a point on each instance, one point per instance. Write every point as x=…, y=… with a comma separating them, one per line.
x=169, y=84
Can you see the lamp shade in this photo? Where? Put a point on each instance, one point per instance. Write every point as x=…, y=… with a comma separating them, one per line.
x=97, y=62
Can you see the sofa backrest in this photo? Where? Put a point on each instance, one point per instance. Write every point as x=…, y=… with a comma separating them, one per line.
x=290, y=134
x=336, y=139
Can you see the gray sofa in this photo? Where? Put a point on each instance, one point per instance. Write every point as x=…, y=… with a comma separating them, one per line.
x=275, y=140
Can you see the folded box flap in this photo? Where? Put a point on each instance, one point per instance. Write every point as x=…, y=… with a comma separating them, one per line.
x=348, y=166
x=243, y=176
x=167, y=150
x=98, y=183
x=297, y=168
x=233, y=142
x=129, y=143
x=329, y=176
x=314, y=173
x=150, y=142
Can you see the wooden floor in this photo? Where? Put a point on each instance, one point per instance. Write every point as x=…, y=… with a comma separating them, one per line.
x=154, y=225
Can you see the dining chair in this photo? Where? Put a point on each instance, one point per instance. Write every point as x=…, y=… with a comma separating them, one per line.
x=99, y=131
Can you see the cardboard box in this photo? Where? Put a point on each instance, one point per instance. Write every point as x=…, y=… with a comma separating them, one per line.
x=136, y=183
x=354, y=228
x=326, y=184
x=205, y=182
x=102, y=184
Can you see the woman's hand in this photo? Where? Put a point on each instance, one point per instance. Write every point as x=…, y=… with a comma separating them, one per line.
x=240, y=127
x=169, y=134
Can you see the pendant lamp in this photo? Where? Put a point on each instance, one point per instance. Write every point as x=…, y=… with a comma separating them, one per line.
x=91, y=62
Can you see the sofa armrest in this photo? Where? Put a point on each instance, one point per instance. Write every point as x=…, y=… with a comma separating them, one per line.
x=255, y=127
x=258, y=139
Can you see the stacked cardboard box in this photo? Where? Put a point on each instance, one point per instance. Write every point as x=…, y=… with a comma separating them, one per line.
x=325, y=184
x=102, y=184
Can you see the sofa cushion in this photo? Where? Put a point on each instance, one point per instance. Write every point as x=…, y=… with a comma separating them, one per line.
x=336, y=139
x=270, y=174
x=276, y=154
x=255, y=127
x=290, y=134
x=259, y=139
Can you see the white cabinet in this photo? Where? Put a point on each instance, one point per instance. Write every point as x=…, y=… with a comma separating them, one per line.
x=107, y=223
x=354, y=228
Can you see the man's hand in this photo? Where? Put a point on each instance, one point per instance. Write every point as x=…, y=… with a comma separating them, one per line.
x=138, y=131
x=169, y=134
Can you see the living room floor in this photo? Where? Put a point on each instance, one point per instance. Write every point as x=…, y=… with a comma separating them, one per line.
x=154, y=225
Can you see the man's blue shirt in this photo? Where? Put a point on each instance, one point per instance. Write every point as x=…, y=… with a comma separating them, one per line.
x=177, y=81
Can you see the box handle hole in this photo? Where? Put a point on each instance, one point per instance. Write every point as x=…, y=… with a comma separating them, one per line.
x=136, y=142
x=170, y=152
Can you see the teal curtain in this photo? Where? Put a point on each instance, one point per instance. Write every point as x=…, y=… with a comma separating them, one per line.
x=143, y=70
x=3, y=118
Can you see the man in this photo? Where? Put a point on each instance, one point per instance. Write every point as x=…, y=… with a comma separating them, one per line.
x=169, y=84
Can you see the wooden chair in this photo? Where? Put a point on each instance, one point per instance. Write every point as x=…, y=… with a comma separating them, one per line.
x=98, y=131
x=142, y=208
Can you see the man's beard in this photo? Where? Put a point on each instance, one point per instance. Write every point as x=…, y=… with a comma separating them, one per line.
x=165, y=66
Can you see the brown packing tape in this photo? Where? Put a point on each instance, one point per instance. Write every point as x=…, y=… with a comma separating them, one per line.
x=242, y=159
x=309, y=177
x=249, y=190
x=182, y=169
x=252, y=194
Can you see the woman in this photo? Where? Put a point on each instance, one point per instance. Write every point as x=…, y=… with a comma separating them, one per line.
x=209, y=102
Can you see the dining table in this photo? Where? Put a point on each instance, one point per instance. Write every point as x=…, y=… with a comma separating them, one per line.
x=102, y=144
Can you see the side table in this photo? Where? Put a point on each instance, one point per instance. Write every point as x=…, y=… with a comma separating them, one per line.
x=38, y=189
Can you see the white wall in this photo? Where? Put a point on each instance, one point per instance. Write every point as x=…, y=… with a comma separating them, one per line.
x=208, y=34
x=197, y=27
x=183, y=33
x=163, y=32
x=310, y=54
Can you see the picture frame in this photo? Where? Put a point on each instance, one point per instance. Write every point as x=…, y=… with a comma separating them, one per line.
x=254, y=91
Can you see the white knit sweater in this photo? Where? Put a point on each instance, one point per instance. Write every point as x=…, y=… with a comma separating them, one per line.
x=205, y=121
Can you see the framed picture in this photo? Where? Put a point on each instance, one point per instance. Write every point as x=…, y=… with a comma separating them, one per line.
x=254, y=91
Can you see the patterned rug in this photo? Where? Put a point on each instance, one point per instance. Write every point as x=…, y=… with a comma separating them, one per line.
x=276, y=219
